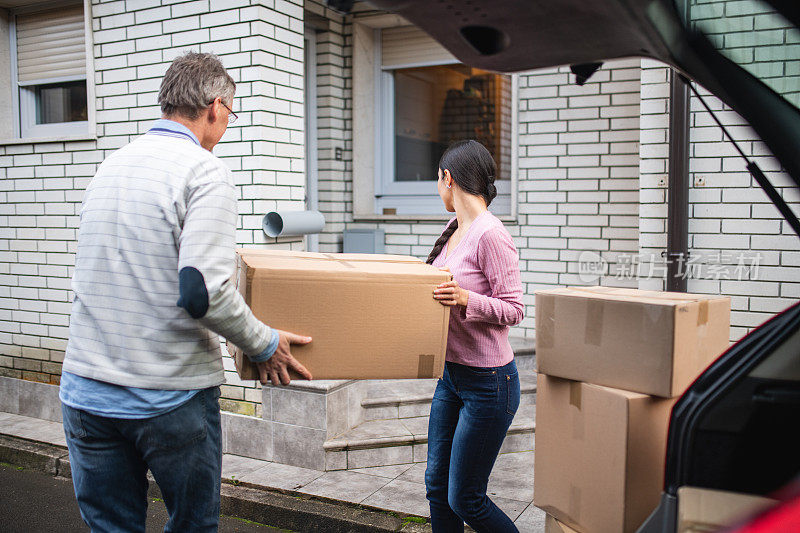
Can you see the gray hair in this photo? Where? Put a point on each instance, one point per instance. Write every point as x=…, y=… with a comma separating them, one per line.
x=192, y=82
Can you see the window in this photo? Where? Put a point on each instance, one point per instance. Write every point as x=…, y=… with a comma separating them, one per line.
x=49, y=72
x=426, y=101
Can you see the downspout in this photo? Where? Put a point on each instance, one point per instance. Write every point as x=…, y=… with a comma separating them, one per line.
x=677, y=253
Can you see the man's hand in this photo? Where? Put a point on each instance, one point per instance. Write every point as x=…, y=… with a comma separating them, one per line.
x=277, y=367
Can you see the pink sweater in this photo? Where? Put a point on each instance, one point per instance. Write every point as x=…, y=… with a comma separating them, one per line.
x=486, y=263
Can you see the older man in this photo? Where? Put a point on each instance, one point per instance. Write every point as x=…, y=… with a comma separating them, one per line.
x=142, y=370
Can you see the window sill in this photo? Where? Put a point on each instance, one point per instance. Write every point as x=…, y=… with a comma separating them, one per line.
x=42, y=140
x=510, y=219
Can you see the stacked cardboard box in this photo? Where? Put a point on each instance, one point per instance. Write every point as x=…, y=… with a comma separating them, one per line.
x=370, y=316
x=611, y=364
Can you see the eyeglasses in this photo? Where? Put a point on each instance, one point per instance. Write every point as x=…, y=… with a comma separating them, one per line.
x=232, y=117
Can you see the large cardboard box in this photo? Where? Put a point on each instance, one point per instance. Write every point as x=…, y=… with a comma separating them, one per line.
x=703, y=510
x=370, y=316
x=643, y=341
x=599, y=461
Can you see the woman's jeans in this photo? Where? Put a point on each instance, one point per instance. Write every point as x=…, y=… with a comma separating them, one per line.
x=471, y=411
x=109, y=458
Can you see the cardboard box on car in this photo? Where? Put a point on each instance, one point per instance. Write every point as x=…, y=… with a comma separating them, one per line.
x=643, y=341
x=599, y=460
x=702, y=510
x=370, y=316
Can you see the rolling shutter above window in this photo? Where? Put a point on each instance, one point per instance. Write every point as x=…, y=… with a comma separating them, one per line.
x=51, y=45
x=408, y=45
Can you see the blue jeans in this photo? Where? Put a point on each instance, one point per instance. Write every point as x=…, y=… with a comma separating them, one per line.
x=109, y=458
x=471, y=411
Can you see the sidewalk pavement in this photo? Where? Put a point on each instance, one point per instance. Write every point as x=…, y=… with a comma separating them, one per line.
x=386, y=498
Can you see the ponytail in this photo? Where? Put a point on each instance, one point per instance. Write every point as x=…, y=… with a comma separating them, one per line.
x=441, y=241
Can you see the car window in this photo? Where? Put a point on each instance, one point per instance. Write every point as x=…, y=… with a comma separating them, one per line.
x=783, y=363
x=755, y=36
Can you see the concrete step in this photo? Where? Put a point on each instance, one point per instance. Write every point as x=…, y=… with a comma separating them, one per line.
x=321, y=424
x=524, y=352
x=398, y=399
x=405, y=440
x=407, y=398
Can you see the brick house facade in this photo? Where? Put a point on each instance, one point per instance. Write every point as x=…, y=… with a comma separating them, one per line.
x=588, y=165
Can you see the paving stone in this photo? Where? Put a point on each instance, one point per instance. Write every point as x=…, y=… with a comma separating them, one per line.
x=280, y=476
x=403, y=496
x=236, y=467
x=415, y=474
x=345, y=486
x=512, y=485
x=512, y=508
x=531, y=520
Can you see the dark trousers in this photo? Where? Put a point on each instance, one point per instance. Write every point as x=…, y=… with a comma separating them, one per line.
x=471, y=411
x=109, y=459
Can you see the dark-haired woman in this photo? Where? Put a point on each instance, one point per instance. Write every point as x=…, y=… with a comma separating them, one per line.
x=479, y=392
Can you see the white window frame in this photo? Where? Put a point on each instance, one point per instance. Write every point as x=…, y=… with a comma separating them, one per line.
x=23, y=97
x=421, y=198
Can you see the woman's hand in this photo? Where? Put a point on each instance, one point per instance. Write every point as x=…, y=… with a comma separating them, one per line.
x=450, y=293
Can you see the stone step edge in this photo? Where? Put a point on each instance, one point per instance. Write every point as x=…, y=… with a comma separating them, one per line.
x=394, y=401
x=404, y=440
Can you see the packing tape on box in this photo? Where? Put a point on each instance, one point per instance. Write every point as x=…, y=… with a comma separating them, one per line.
x=576, y=399
x=340, y=261
x=575, y=394
x=594, y=322
x=545, y=325
x=702, y=313
x=574, y=506
x=425, y=366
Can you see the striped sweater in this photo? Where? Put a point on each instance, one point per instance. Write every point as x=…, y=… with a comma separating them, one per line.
x=155, y=207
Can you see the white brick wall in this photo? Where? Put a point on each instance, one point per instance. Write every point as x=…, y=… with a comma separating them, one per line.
x=334, y=124
x=730, y=217
x=592, y=170
x=578, y=175
x=41, y=185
